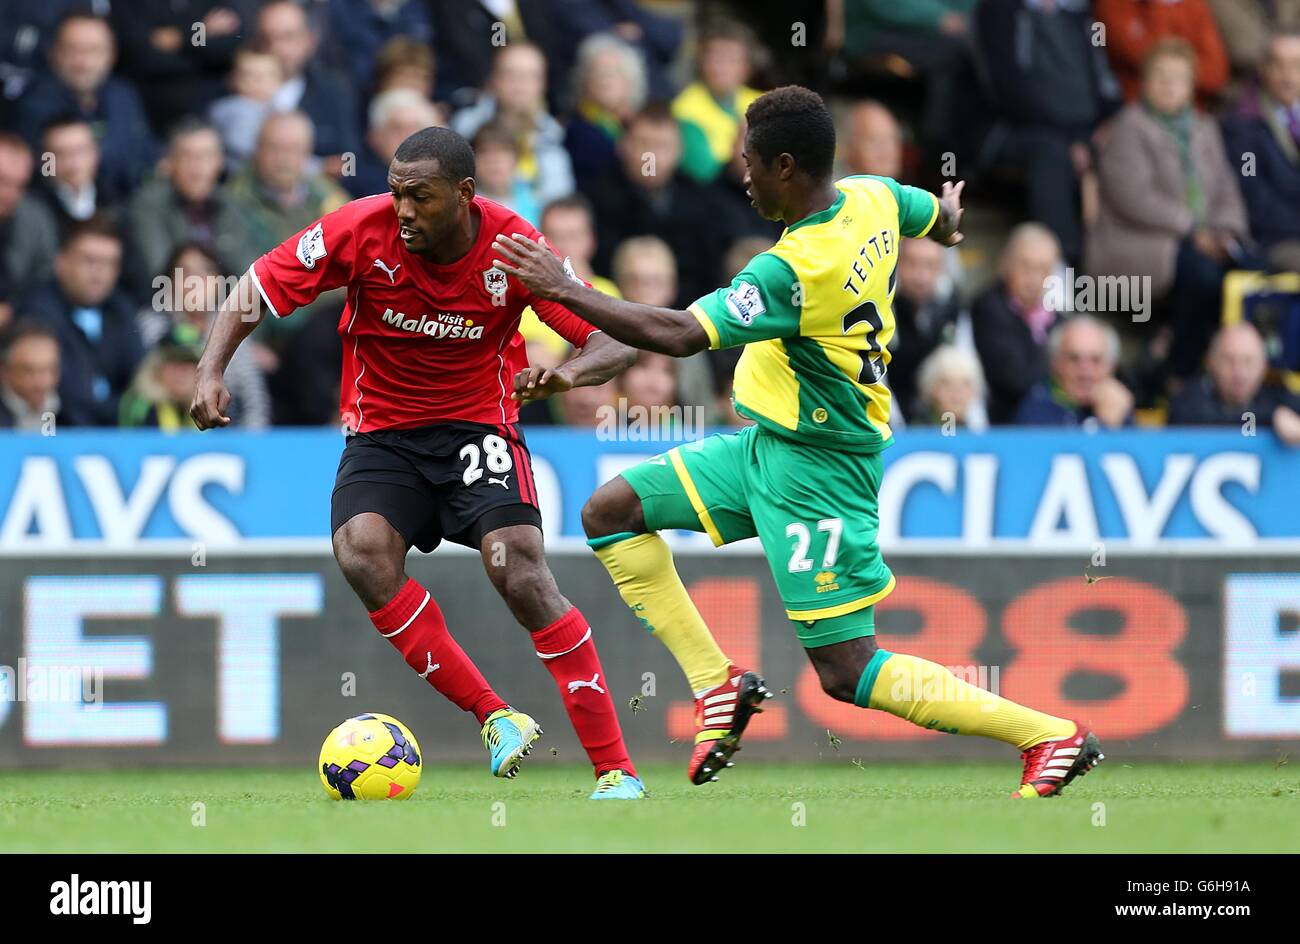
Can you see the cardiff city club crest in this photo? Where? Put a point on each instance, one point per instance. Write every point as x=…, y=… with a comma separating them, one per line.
x=494, y=280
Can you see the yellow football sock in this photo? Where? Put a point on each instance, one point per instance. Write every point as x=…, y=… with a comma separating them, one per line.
x=929, y=695
x=643, y=571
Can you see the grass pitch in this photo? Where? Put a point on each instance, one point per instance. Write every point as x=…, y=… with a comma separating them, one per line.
x=754, y=808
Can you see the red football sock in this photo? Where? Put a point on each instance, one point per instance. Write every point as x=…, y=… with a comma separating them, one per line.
x=569, y=653
x=412, y=622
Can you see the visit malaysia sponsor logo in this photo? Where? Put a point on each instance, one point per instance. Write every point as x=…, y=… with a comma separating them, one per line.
x=445, y=325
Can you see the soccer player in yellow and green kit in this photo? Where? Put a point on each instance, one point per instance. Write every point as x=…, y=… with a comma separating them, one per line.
x=815, y=316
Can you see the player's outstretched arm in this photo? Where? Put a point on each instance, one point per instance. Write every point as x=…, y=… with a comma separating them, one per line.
x=600, y=359
x=946, y=228
x=662, y=330
x=240, y=313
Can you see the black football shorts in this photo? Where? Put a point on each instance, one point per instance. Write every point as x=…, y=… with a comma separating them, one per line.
x=452, y=480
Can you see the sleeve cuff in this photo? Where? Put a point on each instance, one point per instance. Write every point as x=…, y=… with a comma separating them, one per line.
x=934, y=215
x=707, y=324
x=252, y=270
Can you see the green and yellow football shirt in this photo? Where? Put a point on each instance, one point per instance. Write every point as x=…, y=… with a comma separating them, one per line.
x=816, y=315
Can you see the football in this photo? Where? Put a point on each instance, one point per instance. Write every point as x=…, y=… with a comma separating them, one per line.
x=370, y=757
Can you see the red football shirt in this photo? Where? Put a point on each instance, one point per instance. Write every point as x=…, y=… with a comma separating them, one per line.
x=422, y=343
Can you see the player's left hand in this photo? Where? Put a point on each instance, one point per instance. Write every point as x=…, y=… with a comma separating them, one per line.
x=533, y=263
x=951, y=210
x=538, y=383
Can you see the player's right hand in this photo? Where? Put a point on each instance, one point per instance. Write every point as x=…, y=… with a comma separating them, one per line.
x=211, y=399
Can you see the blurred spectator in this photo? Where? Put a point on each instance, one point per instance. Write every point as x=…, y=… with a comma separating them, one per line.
x=723, y=412
x=29, y=378
x=515, y=98
x=460, y=31
x=582, y=406
x=570, y=228
x=950, y=390
x=610, y=87
x=929, y=38
x=405, y=63
x=26, y=32
x=274, y=198
x=1246, y=27
x=645, y=272
x=739, y=255
x=177, y=52
x=792, y=40
x=647, y=195
x=711, y=108
x=1048, y=85
x=1170, y=207
x=1082, y=391
x=95, y=324
x=722, y=364
x=1232, y=391
x=359, y=29
x=254, y=81
x=1011, y=320
x=321, y=94
x=394, y=116
x=74, y=190
x=190, y=291
x=496, y=171
x=1265, y=129
x=1133, y=27
x=651, y=384
x=873, y=141
x=80, y=83
x=184, y=205
x=925, y=316
x=28, y=232
x=559, y=26
x=160, y=395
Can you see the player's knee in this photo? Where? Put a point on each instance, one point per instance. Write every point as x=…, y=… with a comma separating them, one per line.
x=838, y=684
x=612, y=508
x=529, y=582
x=518, y=570
x=367, y=556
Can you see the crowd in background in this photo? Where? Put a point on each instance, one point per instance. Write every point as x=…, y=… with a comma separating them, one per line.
x=151, y=146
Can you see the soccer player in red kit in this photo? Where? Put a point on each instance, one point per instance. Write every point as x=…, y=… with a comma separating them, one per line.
x=433, y=367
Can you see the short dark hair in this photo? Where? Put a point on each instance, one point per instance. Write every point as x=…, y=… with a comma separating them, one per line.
x=574, y=201
x=81, y=13
x=403, y=52
x=188, y=125
x=793, y=120
x=658, y=113
x=100, y=224
x=495, y=134
x=65, y=119
x=452, y=152
x=14, y=141
x=204, y=249
x=730, y=30
x=22, y=329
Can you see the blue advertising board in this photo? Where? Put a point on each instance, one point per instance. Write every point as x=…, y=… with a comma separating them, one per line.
x=1143, y=488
